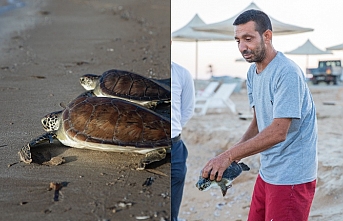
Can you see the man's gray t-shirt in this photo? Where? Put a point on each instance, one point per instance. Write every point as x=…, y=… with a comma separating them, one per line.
x=280, y=91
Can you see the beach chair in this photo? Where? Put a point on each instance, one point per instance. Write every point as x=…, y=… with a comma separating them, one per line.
x=220, y=99
x=209, y=90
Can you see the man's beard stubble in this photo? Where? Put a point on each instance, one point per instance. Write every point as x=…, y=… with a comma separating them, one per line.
x=259, y=54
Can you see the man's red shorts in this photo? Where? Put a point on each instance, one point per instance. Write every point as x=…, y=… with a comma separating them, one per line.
x=281, y=202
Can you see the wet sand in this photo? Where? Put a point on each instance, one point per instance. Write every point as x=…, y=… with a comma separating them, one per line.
x=207, y=136
x=45, y=47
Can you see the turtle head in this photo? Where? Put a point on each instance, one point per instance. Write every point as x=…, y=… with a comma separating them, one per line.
x=203, y=184
x=51, y=122
x=88, y=81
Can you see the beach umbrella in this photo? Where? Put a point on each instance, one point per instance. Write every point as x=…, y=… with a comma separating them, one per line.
x=227, y=27
x=188, y=34
x=240, y=60
x=336, y=47
x=307, y=49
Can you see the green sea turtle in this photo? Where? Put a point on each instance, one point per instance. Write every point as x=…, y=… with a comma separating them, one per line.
x=106, y=124
x=233, y=171
x=128, y=86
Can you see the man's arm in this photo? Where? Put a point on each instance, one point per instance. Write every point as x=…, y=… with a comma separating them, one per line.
x=271, y=135
x=252, y=130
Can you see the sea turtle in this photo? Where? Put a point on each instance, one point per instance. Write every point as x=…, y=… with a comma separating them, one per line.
x=128, y=86
x=233, y=171
x=106, y=124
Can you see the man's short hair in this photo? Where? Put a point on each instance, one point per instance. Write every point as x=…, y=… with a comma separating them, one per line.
x=261, y=19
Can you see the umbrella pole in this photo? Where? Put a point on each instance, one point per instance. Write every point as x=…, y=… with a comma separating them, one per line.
x=196, y=65
x=196, y=59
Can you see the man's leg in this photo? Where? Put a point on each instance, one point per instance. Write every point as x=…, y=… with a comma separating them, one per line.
x=257, y=206
x=178, y=174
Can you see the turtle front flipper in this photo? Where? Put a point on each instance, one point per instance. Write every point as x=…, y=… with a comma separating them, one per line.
x=223, y=187
x=87, y=94
x=25, y=154
x=25, y=151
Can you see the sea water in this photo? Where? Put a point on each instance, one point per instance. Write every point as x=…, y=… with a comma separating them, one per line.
x=10, y=5
x=17, y=16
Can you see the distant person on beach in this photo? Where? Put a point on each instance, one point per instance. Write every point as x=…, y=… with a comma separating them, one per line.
x=182, y=110
x=283, y=129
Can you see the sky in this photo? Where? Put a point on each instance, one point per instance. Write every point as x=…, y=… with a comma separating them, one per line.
x=325, y=17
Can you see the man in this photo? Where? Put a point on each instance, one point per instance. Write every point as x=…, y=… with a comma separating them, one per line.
x=283, y=129
x=182, y=110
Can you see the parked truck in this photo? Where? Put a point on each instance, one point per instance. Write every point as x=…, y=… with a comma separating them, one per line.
x=328, y=71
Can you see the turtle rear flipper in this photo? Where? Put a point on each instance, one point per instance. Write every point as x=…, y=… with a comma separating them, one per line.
x=25, y=151
x=165, y=82
x=152, y=156
x=244, y=167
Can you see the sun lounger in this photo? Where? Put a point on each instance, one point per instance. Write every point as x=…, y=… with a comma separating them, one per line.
x=220, y=99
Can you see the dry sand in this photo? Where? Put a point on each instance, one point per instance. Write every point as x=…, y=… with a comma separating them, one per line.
x=209, y=135
x=45, y=47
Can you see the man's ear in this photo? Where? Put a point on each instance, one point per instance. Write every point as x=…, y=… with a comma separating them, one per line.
x=268, y=35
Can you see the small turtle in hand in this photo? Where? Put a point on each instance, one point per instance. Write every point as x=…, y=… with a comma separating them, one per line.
x=233, y=171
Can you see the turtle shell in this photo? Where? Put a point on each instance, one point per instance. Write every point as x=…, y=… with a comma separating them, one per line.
x=133, y=86
x=115, y=121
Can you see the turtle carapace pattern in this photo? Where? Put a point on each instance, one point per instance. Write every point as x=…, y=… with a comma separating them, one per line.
x=106, y=124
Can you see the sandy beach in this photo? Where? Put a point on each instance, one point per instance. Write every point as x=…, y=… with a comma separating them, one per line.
x=209, y=135
x=45, y=47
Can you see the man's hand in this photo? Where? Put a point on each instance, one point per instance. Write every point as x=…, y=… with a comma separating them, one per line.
x=217, y=165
